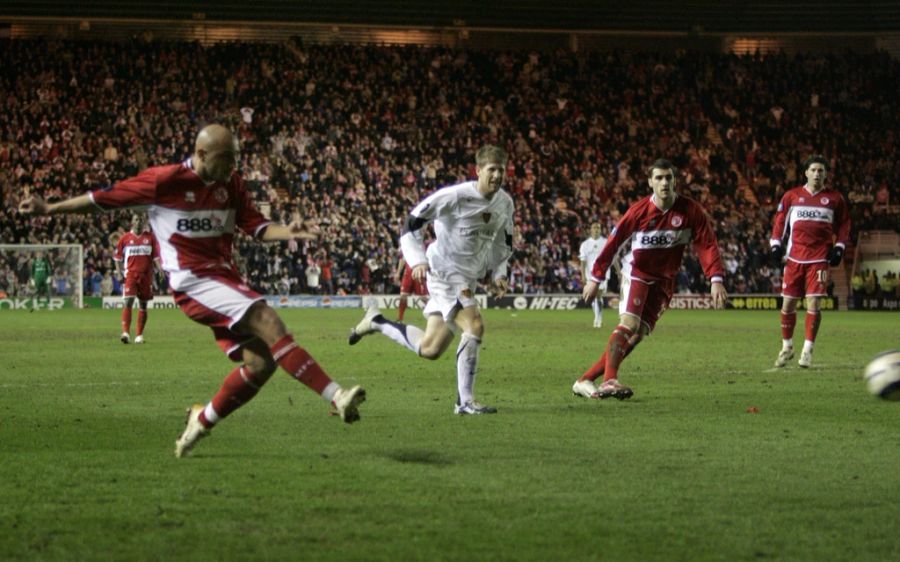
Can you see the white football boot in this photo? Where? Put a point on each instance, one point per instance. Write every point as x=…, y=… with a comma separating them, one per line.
x=346, y=402
x=473, y=408
x=586, y=389
x=805, y=359
x=193, y=431
x=785, y=355
x=139, y=339
x=125, y=338
x=364, y=327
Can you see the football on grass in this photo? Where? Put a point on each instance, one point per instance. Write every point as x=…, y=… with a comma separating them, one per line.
x=883, y=375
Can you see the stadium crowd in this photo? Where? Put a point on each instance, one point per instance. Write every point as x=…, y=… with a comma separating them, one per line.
x=353, y=136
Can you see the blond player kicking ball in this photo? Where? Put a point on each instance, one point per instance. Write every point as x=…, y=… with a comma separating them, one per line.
x=473, y=225
x=194, y=209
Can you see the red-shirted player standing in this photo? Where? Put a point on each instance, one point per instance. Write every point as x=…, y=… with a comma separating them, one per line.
x=136, y=254
x=408, y=286
x=651, y=238
x=810, y=217
x=194, y=208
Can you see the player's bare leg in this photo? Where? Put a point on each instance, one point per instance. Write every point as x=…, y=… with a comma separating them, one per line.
x=788, y=321
x=813, y=321
x=263, y=322
x=127, y=304
x=238, y=388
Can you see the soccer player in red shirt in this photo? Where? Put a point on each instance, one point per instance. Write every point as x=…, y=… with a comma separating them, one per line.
x=651, y=238
x=136, y=253
x=408, y=286
x=816, y=223
x=194, y=208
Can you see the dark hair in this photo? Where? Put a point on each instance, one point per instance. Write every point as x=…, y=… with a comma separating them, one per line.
x=815, y=159
x=662, y=164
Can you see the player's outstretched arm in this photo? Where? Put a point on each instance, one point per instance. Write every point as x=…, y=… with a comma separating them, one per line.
x=501, y=286
x=719, y=294
x=589, y=293
x=295, y=230
x=34, y=205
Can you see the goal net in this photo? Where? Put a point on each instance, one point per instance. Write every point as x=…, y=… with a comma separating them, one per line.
x=41, y=276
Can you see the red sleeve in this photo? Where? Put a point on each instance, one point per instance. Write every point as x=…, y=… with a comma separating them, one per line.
x=155, y=243
x=619, y=235
x=778, y=228
x=119, y=256
x=248, y=218
x=132, y=192
x=706, y=246
x=842, y=220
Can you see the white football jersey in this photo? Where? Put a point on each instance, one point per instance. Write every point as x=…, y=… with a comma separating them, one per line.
x=589, y=251
x=473, y=234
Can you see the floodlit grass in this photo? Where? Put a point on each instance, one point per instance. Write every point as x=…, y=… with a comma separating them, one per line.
x=680, y=472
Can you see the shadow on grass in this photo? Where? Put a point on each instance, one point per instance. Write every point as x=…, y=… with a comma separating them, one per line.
x=418, y=456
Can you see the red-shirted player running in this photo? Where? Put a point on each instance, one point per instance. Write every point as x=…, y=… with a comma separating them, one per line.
x=810, y=217
x=194, y=208
x=136, y=254
x=408, y=287
x=651, y=238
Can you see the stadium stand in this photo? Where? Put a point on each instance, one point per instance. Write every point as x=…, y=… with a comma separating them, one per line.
x=355, y=135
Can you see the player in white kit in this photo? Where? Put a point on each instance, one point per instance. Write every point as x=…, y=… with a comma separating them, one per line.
x=588, y=253
x=473, y=225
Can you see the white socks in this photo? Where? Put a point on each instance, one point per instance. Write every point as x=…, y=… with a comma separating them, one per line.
x=406, y=335
x=467, y=366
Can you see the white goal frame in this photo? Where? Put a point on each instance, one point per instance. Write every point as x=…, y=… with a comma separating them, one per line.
x=78, y=288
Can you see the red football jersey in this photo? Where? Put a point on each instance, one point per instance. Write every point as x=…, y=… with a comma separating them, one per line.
x=193, y=221
x=652, y=241
x=137, y=252
x=811, y=221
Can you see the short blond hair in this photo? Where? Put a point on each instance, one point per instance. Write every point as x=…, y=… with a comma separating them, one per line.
x=490, y=153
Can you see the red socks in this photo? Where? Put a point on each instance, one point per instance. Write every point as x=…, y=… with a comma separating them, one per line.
x=788, y=321
x=142, y=321
x=616, y=350
x=403, y=305
x=126, y=320
x=300, y=365
x=813, y=319
x=238, y=388
x=595, y=370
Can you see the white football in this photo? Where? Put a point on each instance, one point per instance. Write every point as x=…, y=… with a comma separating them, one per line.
x=883, y=375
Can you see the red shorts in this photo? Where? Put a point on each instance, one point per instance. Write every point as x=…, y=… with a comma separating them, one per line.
x=218, y=300
x=647, y=301
x=139, y=286
x=410, y=286
x=805, y=279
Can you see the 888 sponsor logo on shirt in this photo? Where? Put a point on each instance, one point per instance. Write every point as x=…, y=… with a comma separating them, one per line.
x=205, y=225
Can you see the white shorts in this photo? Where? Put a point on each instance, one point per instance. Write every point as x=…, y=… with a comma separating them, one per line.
x=447, y=295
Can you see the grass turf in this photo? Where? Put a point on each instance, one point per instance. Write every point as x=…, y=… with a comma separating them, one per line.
x=680, y=472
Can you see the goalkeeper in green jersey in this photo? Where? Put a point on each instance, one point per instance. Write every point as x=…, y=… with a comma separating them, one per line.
x=40, y=277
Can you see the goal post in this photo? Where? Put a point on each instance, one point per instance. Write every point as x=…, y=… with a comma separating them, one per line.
x=41, y=276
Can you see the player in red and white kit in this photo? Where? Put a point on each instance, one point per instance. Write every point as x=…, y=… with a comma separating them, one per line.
x=408, y=287
x=194, y=208
x=651, y=238
x=816, y=223
x=136, y=254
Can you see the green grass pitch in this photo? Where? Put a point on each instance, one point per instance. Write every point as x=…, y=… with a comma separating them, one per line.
x=681, y=472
